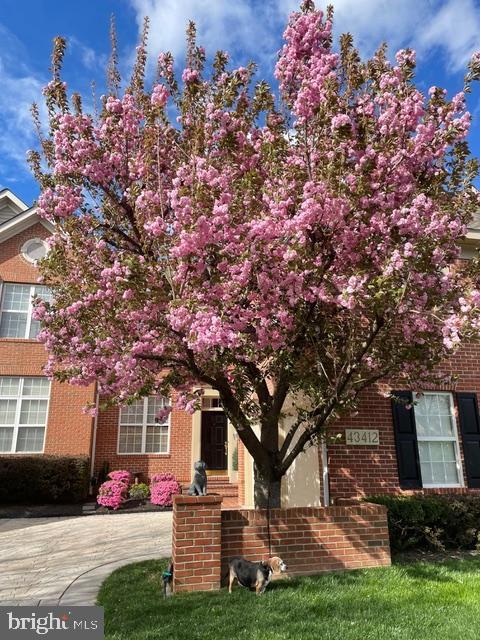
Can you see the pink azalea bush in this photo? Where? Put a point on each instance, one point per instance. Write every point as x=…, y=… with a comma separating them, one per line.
x=112, y=494
x=121, y=476
x=162, y=489
x=162, y=477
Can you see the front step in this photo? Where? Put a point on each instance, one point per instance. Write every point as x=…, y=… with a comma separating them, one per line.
x=220, y=485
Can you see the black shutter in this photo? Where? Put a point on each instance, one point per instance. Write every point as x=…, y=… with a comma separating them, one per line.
x=470, y=426
x=409, y=473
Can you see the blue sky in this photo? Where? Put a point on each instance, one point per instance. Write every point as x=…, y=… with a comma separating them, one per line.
x=444, y=33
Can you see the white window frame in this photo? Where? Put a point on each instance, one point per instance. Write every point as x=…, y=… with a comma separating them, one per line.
x=16, y=427
x=144, y=425
x=26, y=245
x=453, y=438
x=29, y=312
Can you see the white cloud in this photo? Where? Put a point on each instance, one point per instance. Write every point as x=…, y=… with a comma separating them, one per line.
x=19, y=88
x=456, y=29
x=243, y=25
x=448, y=27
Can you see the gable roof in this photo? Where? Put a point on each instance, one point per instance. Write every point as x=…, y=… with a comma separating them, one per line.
x=10, y=205
x=17, y=216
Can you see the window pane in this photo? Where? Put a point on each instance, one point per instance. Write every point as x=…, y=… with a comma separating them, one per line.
x=34, y=329
x=438, y=462
x=39, y=387
x=157, y=439
x=9, y=386
x=30, y=439
x=33, y=412
x=7, y=411
x=43, y=292
x=6, y=435
x=132, y=413
x=427, y=477
x=433, y=415
x=16, y=297
x=13, y=325
x=130, y=440
x=155, y=403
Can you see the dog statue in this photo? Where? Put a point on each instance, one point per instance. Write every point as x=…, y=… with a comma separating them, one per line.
x=254, y=575
x=199, y=484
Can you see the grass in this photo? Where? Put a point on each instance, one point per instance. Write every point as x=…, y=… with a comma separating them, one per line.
x=418, y=601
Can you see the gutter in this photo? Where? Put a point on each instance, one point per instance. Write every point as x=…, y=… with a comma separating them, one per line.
x=94, y=441
x=325, y=475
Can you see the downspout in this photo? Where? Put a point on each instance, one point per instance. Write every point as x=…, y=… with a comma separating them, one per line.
x=94, y=442
x=325, y=475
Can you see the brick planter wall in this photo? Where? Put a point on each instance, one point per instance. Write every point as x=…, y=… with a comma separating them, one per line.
x=196, y=543
x=308, y=539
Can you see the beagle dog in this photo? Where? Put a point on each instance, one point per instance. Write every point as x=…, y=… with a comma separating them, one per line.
x=254, y=575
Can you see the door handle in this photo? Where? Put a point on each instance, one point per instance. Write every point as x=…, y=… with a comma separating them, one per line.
x=225, y=444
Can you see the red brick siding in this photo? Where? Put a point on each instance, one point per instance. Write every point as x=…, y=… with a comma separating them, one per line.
x=196, y=543
x=69, y=431
x=367, y=470
x=308, y=539
x=178, y=461
x=13, y=267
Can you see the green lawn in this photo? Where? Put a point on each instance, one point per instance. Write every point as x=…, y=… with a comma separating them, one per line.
x=420, y=601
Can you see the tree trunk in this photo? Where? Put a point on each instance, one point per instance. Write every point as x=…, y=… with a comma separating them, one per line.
x=266, y=492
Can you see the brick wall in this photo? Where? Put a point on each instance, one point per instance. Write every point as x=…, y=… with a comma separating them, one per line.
x=13, y=267
x=69, y=431
x=177, y=461
x=196, y=543
x=367, y=470
x=309, y=539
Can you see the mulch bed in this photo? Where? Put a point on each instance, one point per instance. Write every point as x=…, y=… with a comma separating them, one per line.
x=419, y=555
x=69, y=510
x=130, y=506
x=40, y=510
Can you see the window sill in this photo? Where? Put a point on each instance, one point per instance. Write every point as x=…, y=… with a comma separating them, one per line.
x=146, y=455
x=443, y=486
x=28, y=340
x=22, y=453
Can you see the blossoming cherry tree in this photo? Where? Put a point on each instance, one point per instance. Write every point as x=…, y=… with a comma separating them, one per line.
x=288, y=252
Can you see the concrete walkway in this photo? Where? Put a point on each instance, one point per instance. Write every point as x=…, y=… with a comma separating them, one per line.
x=47, y=561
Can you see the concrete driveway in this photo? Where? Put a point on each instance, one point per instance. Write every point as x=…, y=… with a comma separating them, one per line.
x=64, y=560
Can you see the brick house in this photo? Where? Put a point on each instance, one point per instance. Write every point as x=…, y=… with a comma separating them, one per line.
x=383, y=448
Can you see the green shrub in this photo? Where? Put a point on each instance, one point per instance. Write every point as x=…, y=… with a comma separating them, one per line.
x=140, y=491
x=435, y=522
x=43, y=479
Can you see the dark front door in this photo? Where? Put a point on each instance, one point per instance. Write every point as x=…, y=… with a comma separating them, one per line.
x=214, y=439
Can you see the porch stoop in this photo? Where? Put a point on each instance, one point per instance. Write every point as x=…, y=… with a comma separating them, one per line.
x=221, y=486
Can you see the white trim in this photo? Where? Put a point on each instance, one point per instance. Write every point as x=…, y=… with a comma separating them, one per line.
x=16, y=426
x=6, y=193
x=144, y=426
x=453, y=438
x=21, y=222
x=325, y=474
x=25, y=246
x=28, y=326
x=94, y=439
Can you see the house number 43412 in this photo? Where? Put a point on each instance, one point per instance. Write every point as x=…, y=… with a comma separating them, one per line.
x=362, y=436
